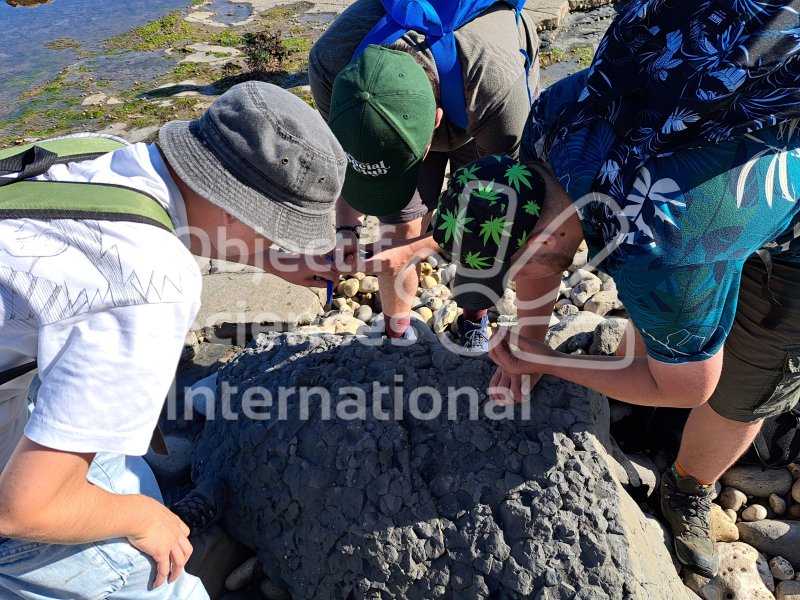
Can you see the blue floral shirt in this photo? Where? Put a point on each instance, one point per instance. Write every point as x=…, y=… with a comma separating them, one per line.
x=676, y=237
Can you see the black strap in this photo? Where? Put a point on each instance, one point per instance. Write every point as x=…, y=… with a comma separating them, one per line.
x=30, y=163
x=774, y=316
x=15, y=372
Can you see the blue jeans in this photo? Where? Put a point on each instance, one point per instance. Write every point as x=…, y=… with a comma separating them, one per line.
x=110, y=569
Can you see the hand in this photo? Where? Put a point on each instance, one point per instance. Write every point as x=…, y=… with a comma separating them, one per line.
x=305, y=270
x=529, y=359
x=505, y=388
x=345, y=255
x=390, y=260
x=165, y=539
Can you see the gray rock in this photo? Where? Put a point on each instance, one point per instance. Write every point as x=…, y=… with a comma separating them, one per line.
x=607, y=336
x=762, y=564
x=788, y=590
x=585, y=290
x=400, y=506
x=177, y=464
x=243, y=575
x=364, y=313
x=732, y=499
x=569, y=326
x=603, y=303
x=781, y=568
x=751, y=480
x=215, y=555
x=255, y=298
x=272, y=591
x=448, y=274
x=582, y=275
x=773, y=538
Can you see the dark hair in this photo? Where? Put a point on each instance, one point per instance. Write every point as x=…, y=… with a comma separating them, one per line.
x=417, y=52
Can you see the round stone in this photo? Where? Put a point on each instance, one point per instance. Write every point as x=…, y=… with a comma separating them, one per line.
x=754, y=512
x=349, y=288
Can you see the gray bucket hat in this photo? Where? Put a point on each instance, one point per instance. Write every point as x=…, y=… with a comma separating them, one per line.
x=263, y=155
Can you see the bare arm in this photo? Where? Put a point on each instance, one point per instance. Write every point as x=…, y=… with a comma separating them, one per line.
x=634, y=379
x=45, y=497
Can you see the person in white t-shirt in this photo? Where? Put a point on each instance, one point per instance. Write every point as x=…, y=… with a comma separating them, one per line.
x=103, y=306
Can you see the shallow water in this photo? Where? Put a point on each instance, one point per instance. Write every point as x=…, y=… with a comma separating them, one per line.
x=25, y=61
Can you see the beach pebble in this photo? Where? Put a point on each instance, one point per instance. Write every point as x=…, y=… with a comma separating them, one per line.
x=427, y=282
x=722, y=528
x=437, y=291
x=343, y=323
x=794, y=471
x=582, y=292
x=731, y=514
x=579, y=262
x=369, y=284
x=755, y=512
x=242, y=575
x=507, y=305
x=435, y=304
x=751, y=480
x=732, y=499
x=432, y=261
x=609, y=285
x=271, y=591
x=796, y=490
x=364, y=313
x=788, y=590
x=603, y=303
x=349, y=288
x=426, y=314
x=567, y=309
x=777, y=504
x=582, y=275
x=444, y=317
x=781, y=568
x=762, y=564
x=448, y=273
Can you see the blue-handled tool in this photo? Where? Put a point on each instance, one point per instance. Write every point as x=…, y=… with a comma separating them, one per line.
x=329, y=287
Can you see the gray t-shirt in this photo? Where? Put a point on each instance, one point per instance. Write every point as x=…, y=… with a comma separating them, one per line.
x=497, y=97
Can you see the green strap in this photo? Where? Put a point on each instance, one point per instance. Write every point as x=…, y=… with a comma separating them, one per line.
x=73, y=147
x=74, y=200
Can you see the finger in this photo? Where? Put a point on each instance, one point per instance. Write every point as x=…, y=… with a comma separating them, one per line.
x=500, y=392
x=183, y=527
x=177, y=560
x=516, y=388
x=162, y=569
x=187, y=548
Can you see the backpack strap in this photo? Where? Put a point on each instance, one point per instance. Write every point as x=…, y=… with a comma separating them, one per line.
x=15, y=372
x=34, y=199
x=437, y=21
x=81, y=201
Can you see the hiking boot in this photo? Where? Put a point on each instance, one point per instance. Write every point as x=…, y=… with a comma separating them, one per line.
x=686, y=505
x=474, y=337
x=202, y=507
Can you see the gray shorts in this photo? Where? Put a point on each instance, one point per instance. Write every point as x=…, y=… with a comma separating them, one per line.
x=429, y=185
x=761, y=367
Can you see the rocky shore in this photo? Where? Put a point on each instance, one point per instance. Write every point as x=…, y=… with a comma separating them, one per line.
x=586, y=538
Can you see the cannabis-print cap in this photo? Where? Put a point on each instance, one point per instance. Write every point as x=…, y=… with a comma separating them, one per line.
x=484, y=216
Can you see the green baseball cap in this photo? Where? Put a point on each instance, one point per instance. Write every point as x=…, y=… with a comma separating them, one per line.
x=383, y=113
x=483, y=218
